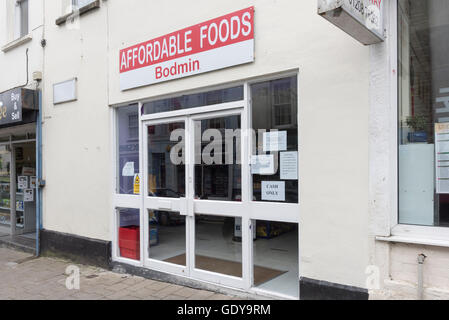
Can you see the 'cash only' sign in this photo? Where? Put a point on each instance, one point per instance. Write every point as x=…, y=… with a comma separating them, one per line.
x=215, y=44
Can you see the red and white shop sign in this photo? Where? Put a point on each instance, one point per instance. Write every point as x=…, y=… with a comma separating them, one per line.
x=215, y=44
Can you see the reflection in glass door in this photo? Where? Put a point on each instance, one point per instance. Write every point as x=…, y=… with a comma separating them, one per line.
x=193, y=197
x=165, y=190
x=204, y=213
x=217, y=193
x=218, y=174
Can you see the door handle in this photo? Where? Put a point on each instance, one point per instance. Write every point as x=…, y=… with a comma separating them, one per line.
x=183, y=207
x=186, y=207
x=164, y=205
x=190, y=208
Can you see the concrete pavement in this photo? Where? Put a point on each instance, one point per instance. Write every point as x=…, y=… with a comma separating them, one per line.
x=24, y=277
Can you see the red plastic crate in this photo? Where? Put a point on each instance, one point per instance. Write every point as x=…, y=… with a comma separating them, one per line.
x=129, y=242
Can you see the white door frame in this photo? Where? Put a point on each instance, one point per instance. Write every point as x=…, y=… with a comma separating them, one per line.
x=188, y=206
x=219, y=208
x=249, y=210
x=161, y=203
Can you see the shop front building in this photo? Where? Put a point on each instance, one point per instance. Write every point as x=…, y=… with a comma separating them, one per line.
x=287, y=150
x=19, y=184
x=196, y=171
x=200, y=173
x=20, y=56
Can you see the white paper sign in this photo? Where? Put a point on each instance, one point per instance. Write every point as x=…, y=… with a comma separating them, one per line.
x=289, y=165
x=33, y=182
x=19, y=205
x=28, y=195
x=273, y=190
x=275, y=141
x=128, y=169
x=442, y=157
x=22, y=182
x=28, y=171
x=262, y=164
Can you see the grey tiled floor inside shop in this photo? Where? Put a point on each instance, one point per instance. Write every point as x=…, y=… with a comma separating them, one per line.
x=24, y=277
x=25, y=241
x=279, y=253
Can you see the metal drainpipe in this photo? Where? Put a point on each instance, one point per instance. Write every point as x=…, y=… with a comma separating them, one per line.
x=39, y=173
x=421, y=259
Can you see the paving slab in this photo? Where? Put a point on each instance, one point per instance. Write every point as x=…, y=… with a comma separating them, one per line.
x=25, y=277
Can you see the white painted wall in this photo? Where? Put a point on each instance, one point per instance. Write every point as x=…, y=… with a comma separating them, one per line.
x=13, y=62
x=76, y=147
x=400, y=263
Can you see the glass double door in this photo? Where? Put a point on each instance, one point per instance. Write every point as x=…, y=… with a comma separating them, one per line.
x=194, y=186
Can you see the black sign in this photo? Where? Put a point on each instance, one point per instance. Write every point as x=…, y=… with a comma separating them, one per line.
x=13, y=102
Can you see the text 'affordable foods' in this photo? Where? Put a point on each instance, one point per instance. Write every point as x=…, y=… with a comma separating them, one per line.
x=215, y=44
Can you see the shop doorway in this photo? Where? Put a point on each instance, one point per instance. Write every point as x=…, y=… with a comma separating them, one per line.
x=197, y=217
x=18, y=191
x=193, y=196
x=211, y=189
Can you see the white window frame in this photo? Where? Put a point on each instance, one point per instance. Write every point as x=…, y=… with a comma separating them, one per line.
x=75, y=4
x=425, y=235
x=201, y=206
x=18, y=19
x=257, y=210
x=124, y=200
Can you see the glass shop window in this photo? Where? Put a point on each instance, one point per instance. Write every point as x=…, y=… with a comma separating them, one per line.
x=194, y=100
x=128, y=150
x=423, y=69
x=166, y=160
x=218, y=171
x=277, y=271
x=274, y=161
x=129, y=233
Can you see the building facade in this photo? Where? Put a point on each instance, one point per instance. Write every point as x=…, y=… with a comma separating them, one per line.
x=21, y=67
x=282, y=149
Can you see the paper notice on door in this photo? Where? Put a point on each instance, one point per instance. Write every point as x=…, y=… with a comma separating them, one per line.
x=22, y=182
x=443, y=147
x=28, y=171
x=33, y=182
x=128, y=169
x=19, y=205
x=263, y=164
x=275, y=141
x=442, y=157
x=273, y=190
x=28, y=195
x=289, y=165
